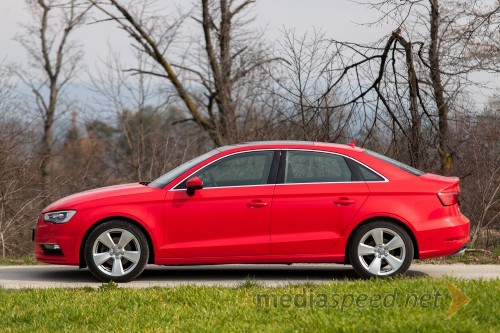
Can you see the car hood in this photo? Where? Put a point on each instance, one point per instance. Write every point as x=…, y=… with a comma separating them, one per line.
x=74, y=200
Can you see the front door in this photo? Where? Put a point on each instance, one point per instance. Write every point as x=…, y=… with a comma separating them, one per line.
x=230, y=216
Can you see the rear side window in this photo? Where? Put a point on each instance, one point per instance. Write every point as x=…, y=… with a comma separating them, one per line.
x=367, y=174
x=315, y=167
x=398, y=164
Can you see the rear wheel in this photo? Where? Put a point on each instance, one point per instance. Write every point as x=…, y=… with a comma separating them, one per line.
x=116, y=251
x=379, y=249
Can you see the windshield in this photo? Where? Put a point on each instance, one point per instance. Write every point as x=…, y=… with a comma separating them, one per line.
x=398, y=164
x=174, y=173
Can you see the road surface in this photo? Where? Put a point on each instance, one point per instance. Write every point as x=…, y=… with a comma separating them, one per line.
x=16, y=277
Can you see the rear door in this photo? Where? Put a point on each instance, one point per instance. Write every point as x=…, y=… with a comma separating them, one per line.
x=317, y=195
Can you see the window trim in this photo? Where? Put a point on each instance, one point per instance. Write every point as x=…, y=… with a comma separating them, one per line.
x=281, y=165
x=228, y=155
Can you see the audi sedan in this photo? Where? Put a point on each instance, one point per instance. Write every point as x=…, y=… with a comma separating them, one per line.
x=265, y=202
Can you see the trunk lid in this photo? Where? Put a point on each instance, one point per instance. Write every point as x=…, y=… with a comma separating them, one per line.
x=447, y=183
x=448, y=189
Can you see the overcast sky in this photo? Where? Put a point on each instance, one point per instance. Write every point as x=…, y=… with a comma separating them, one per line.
x=339, y=19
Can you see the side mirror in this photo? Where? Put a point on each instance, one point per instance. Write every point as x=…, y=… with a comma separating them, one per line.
x=193, y=184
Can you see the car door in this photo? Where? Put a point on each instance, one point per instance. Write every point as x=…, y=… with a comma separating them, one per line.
x=317, y=195
x=230, y=215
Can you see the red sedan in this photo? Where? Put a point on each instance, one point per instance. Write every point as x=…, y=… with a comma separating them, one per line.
x=265, y=202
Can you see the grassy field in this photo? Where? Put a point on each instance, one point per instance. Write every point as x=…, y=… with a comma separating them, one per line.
x=402, y=304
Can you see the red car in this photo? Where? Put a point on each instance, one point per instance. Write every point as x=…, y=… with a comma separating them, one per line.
x=264, y=202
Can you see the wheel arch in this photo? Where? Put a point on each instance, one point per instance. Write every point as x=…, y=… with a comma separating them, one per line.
x=387, y=219
x=83, y=263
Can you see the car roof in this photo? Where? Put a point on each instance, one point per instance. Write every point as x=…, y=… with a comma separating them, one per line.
x=290, y=144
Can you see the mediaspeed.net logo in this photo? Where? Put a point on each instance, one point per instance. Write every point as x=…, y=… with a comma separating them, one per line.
x=345, y=301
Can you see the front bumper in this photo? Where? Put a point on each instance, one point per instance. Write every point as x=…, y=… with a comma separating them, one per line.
x=56, y=243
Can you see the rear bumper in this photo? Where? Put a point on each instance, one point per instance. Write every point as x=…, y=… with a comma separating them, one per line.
x=442, y=237
x=460, y=252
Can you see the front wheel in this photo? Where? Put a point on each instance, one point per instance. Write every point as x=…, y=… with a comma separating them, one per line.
x=116, y=251
x=380, y=249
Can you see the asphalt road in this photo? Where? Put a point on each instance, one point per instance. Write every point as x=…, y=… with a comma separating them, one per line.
x=15, y=277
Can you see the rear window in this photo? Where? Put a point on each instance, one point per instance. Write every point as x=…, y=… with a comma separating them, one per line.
x=398, y=164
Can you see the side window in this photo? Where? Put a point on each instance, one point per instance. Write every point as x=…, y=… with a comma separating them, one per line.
x=237, y=170
x=367, y=174
x=313, y=167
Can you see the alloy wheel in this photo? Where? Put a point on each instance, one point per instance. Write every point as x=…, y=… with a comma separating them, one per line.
x=381, y=251
x=116, y=252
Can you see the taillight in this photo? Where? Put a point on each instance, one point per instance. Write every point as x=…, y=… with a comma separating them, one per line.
x=448, y=198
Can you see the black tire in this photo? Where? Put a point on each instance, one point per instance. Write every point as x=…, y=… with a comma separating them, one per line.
x=132, y=256
x=389, y=261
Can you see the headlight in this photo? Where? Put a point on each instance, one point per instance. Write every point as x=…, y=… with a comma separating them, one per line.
x=59, y=217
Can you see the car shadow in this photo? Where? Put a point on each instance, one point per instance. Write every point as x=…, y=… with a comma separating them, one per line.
x=210, y=275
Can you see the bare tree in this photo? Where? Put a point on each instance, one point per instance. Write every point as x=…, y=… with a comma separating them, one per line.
x=452, y=40
x=7, y=88
x=438, y=87
x=54, y=61
x=354, y=85
x=141, y=136
x=474, y=28
x=208, y=85
x=18, y=197
x=300, y=82
x=478, y=163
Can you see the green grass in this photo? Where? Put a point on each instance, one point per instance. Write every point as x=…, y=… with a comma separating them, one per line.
x=25, y=260
x=225, y=309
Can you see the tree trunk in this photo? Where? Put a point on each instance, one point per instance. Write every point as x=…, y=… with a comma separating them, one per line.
x=416, y=122
x=47, y=139
x=3, y=245
x=438, y=90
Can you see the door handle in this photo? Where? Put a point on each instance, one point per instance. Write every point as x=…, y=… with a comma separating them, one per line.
x=257, y=203
x=343, y=201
